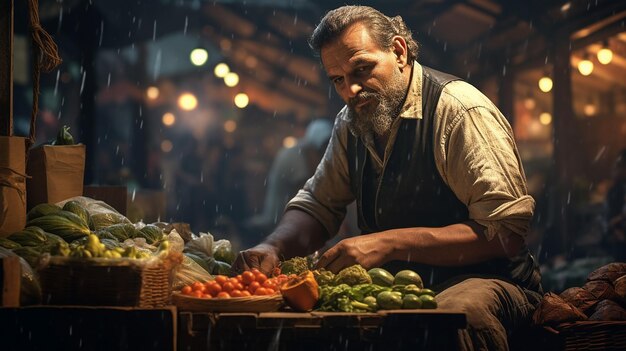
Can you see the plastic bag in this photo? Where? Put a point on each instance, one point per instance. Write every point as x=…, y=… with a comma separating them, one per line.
x=30, y=291
x=101, y=214
x=189, y=272
x=202, y=244
x=223, y=251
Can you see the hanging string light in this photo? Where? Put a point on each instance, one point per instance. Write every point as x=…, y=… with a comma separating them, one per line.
x=605, y=55
x=545, y=83
x=585, y=66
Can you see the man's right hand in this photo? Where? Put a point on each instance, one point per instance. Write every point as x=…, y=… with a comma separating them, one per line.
x=263, y=256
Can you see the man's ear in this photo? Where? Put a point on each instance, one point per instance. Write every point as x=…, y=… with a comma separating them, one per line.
x=401, y=50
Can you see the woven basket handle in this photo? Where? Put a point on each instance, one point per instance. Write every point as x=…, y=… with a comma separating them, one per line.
x=45, y=57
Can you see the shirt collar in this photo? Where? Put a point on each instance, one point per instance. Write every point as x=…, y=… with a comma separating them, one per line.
x=412, y=107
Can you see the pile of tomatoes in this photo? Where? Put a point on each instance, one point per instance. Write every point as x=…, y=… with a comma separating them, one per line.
x=248, y=283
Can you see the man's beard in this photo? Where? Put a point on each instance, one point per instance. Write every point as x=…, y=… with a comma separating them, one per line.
x=378, y=115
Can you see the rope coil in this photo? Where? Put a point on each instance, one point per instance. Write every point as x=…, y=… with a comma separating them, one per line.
x=45, y=57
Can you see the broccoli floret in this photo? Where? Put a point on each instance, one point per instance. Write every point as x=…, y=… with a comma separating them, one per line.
x=353, y=275
x=323, y=276
x=295, y=265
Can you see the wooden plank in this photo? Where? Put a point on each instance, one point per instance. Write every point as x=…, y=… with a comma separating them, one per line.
x=11, y=274
x=6, y=67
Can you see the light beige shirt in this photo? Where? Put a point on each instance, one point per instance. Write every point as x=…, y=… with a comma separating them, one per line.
x=475, y=154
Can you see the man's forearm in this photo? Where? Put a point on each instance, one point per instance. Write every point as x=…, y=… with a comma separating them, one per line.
x=454, y=245
x=297, y=234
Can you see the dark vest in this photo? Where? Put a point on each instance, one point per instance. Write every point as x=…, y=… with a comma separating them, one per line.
x=411, y=193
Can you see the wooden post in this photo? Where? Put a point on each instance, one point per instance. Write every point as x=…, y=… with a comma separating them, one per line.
x=6, y=67
x=11, y=275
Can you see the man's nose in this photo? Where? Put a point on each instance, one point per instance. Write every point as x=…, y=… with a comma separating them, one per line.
x=353, y=89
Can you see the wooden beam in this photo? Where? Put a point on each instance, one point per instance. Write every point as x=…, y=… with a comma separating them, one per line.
x=6, y=67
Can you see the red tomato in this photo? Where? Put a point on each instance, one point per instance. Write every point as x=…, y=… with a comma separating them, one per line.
x=245, y=293
x=206, y=296
x=255, y=271
x=186, y=290
x=247, y=277
x=253, y=286
x=228, y=287
x=261, y=278
x=269, y=284
x=197, y=286
x=196, y=293
x=223, y=295
x=238, y=276
x=236, y=293
x=221, y=279
x=213, y=288
x=260, y=291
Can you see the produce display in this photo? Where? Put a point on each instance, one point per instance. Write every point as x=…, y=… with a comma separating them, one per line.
x=352, y=289
x=70, y=231
x=601, y=298
x=248, y=283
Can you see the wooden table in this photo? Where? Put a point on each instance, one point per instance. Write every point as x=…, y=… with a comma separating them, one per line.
x=386, y=330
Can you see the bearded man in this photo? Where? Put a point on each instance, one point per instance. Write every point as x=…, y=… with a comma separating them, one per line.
x=435, y=172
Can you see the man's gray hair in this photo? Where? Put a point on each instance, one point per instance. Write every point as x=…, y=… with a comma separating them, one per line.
x=381, y=28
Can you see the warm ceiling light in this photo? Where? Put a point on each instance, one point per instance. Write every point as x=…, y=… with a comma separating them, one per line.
x=230, y=126
x=187, y=101
x=231, y=79
x=605, y=55
x=545, y=118
x=289, y=142
x=590, y=109
x=168, y=119
x=221, y=70
x=152, y=93
x=198, y=56
x=241, y=100
x=545, y=84
x=585, y=66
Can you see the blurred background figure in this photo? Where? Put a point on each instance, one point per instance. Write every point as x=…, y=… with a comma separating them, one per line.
x=291, y=168
x=615, y=240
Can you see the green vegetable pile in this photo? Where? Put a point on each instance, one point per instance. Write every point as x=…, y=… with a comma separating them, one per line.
x=352, y=290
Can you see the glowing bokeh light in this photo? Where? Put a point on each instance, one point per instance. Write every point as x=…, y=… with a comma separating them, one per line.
x=289, y=142
x=221, y=70
x=231, y=79
x=187, y=101
x=241, y=100
x=230, y=126
x=545, y=118
x=545, y=84
x=152, y=93
x=168, y=119
x=198, y=56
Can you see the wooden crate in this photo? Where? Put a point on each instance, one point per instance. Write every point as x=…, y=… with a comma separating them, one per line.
x=87, y=328
x=388, y=330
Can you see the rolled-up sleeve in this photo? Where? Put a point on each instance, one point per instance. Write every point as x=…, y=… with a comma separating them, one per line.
x=478, y=159
x=327, y=193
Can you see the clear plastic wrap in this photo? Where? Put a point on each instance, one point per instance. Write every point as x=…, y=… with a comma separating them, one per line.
x=30, y=292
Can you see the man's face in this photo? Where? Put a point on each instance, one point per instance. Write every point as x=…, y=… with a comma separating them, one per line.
x=368, y=79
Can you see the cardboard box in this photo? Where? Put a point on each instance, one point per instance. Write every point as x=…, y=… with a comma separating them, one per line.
x=57, y=173
x=12, y=184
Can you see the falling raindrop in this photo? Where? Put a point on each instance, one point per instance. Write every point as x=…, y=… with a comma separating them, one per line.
x=56, y=83
x=109, y=80
x=157, y=64
x=186, y=25
x=101, y=33
x=154, y=27
x=133, y=197
x=82, y=83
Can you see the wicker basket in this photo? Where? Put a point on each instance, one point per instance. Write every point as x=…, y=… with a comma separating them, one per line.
x=233, y=304
x=590, y=335
x=105, y=282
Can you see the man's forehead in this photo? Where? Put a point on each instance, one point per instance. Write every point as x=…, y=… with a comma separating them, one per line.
x=352, y=42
